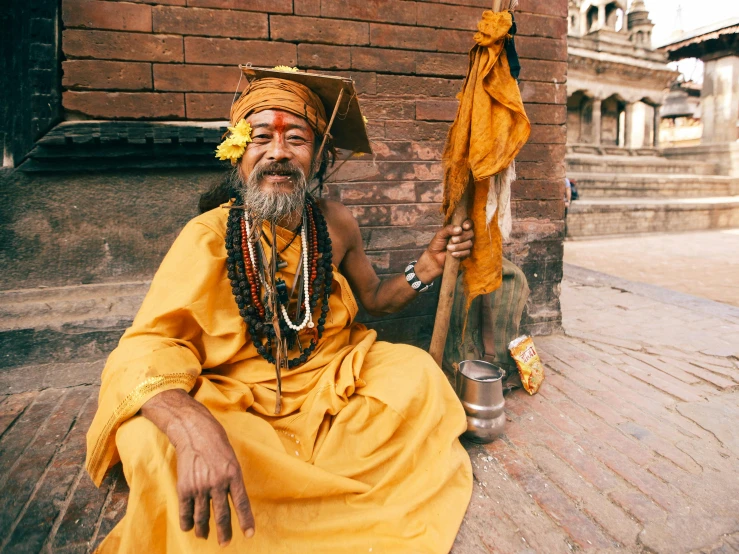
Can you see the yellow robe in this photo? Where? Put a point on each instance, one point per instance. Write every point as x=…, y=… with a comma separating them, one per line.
x=364, y=456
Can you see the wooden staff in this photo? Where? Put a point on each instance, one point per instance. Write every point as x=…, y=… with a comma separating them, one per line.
x=451, y=264
x=448, y=284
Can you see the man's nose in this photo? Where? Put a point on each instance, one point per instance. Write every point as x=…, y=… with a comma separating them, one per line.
x=277, y=150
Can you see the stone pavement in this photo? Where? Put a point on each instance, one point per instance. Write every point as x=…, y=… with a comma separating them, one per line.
x=630, y=446
x=702, y=263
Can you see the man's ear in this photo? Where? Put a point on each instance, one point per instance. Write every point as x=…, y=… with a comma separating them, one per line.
x=319, y=167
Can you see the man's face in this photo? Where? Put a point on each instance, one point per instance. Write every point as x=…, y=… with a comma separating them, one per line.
x=281, y=141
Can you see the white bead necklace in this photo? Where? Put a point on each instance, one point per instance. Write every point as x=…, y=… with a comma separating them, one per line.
x=308, y=319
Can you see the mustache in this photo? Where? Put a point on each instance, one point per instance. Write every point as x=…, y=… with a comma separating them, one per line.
x=285, y=168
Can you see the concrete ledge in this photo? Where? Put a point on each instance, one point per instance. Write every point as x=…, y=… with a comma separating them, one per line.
x=59, y=307
x=97, y=145
x=617, y=185
x=85, y=322
x=723, y=155
x=65, y=324
x=596, y=164
x=619, y=216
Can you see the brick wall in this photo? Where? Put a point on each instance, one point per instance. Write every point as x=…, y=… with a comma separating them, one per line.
x=176, y=59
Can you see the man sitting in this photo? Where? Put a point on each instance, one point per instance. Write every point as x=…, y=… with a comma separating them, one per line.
x=244, y=393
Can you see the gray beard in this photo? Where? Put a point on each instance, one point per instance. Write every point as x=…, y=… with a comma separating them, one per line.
x=273, y=205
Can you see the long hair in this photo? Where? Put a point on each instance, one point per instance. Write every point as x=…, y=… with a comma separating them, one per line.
x=223, y=191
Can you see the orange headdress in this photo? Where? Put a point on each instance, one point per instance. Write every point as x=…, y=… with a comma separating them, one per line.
x=307, y=95
x=280, y=94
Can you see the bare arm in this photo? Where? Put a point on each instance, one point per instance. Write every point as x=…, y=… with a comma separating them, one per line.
x=393, y=294
x=207, y=468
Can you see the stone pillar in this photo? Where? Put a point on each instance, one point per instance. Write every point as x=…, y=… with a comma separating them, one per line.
x=628, y=124
x=596, y=121
x=655, y=134
x=601, y=19
x=720, y=99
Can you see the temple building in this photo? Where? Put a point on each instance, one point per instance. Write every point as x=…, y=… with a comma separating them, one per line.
x=681, y=115
x=616, y=81
x=619, y=89
x=717, y=46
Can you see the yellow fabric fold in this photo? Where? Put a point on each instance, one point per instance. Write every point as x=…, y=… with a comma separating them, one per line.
x=489, y=130
x=364, y=454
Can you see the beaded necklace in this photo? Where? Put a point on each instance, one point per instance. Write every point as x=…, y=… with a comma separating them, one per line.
x=253, y=285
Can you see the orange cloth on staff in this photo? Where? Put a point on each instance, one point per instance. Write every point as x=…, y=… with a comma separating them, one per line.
x=489, y=130
x=364, y=456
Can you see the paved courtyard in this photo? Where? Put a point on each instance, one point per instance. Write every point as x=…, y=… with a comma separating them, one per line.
x=702, y=263
x=630, y=446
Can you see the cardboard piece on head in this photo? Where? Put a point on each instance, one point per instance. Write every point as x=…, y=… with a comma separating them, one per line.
x=348, y=130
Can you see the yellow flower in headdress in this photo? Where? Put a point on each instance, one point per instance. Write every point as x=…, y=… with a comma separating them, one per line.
x=241, y=133
x=286, y=68
x=233, y=147
x=228, y=150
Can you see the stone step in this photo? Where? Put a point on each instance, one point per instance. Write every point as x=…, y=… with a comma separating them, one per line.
x=597, y=217
x=55, y=375
x=84, y=323
x=593, y=164
x=651, y=185
x=65, y=324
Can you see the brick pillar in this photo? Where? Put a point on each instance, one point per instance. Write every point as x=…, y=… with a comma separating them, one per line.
x=596, y=121
x=628, y=124
x=655, y=136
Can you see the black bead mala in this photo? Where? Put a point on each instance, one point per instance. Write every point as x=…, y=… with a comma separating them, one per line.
x=247, y=291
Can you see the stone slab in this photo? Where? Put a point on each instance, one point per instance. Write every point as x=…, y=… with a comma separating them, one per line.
x=701, y=264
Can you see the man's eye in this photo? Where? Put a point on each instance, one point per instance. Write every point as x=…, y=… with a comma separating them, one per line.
x=296, y=138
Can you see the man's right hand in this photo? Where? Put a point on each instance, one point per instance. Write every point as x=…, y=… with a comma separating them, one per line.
x=207, y=468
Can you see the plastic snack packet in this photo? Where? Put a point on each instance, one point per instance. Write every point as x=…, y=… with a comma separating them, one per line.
x=529, y=364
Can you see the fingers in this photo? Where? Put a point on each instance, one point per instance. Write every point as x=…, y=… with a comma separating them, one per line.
x=222, y=514
x=465, y=236
x=460, y=243
x=455, y=234
x=461, y=250
x=242, y=505
x=202, y=515
x=195, y=511
x=187, y=505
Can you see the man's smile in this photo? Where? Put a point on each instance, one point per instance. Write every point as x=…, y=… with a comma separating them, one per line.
x=279, y=176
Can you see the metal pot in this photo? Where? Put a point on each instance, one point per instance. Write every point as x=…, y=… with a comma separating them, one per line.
x=479, y=386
